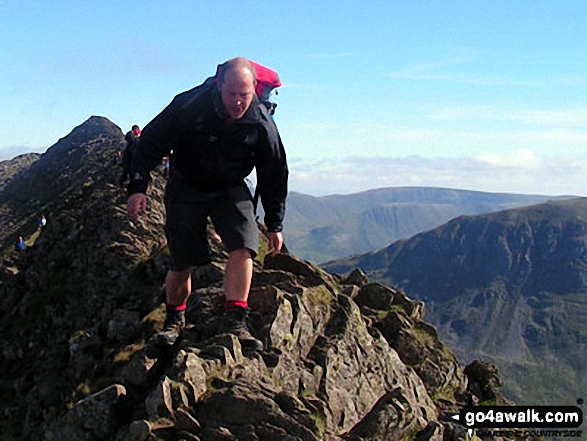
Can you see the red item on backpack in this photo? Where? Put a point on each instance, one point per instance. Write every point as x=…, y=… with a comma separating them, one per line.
x=267, y=80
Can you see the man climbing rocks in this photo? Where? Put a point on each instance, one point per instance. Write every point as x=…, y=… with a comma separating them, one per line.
x=218, y=132
x=132, y=139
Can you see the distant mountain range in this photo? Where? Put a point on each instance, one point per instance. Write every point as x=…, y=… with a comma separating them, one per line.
x=330, y=227
x=509, y=286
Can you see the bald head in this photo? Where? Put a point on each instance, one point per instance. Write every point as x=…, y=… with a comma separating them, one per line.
x=238, y=65
x=236, y=83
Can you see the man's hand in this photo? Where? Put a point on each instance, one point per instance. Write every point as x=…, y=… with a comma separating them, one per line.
x=275, y=243
x=136, y=204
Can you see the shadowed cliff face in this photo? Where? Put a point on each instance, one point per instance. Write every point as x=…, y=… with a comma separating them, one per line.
x=346, y=358
x=33, y=185
x=8, y=169
x=509, y=286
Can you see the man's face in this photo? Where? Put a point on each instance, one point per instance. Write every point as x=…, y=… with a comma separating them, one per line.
x=237, y=91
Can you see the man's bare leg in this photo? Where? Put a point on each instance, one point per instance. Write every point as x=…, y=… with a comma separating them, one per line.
x=178, y=286
x=238, y=275
x=237, y=283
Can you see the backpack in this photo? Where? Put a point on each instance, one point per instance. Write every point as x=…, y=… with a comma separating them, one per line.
x=267, y=81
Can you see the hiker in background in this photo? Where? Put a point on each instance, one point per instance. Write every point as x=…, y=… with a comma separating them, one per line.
x=219, y=131
x=133, y=135
x=166, y=166
x=42, y=222
x=20, y=244
x=132, y=139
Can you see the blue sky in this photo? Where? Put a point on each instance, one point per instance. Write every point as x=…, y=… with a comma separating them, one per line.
x=479, y=95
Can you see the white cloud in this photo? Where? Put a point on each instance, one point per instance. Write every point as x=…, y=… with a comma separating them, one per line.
x=553, y=117
x=520, y=172
x=575, y=118
x=522, y=159
x=429, y=70
x=444, y=69
x=464, y=79
x=555, y=137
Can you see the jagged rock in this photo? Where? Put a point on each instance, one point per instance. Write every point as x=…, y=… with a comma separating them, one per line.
x=399, y=319
x=484, y=382
x=380, y=297
x=85, y=348
x=433, y=431
x=352, y=291
x=307, y=394
x=122, y=324
x=186, y=421
x=376, y=296
x=356, y=277
x=360, y=367
x=187, y=436
x=420, y=348
x=159, y=401
x=136, y=371
x=191, y=370
x=139, y=431
x=243, y=406
x=306, y=272
x=206, y=275
x=92, y=419
x=163, y=428
x=391, y=419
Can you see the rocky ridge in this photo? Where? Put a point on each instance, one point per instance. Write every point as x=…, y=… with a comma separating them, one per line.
x=10, y=168
x=346, y=358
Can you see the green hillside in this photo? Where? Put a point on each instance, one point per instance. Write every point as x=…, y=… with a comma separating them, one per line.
x=330, y=227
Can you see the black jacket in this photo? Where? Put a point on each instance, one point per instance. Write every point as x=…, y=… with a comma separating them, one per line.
x=127, y=155
x=211, y=155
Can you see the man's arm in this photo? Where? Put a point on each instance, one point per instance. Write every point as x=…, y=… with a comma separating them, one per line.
x=272, y=176
x=156, y=141
x=135, y=205
x=275, y=242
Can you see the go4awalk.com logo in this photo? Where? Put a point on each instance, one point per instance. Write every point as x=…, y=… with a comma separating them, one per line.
x=560, y=421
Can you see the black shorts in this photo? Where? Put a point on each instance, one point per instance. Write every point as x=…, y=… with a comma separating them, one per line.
x=187, y=211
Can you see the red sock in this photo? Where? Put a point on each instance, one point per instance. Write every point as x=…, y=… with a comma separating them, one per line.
x=181, y=307
x=229, y=304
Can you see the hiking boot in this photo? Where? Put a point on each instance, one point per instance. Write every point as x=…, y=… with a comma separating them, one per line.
x=173, y=327
x=235, y=322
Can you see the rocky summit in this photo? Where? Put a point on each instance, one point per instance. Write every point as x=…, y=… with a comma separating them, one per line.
x=345, y=358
